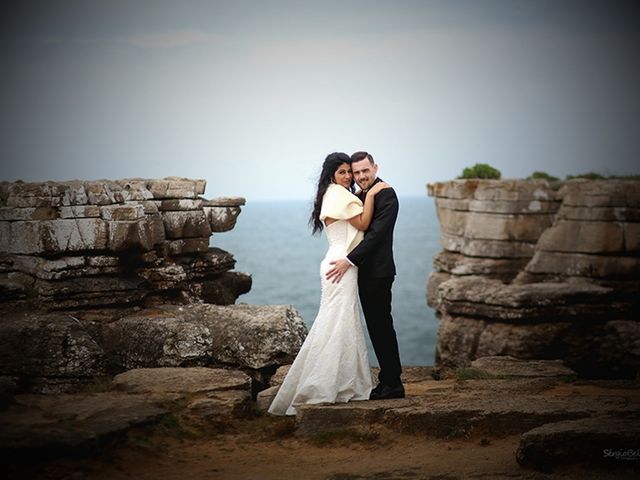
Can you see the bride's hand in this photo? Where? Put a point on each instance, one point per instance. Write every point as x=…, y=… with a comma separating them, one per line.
x=377, y=187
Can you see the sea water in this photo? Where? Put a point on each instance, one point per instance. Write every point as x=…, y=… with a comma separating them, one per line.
x=272, y=241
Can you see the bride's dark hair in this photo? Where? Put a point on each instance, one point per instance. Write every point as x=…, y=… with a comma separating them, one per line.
x=329, y=167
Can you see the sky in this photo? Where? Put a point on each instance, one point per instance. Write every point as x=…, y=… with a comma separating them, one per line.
x=252, y=95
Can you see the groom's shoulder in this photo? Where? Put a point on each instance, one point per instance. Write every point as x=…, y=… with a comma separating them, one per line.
x=388, y=195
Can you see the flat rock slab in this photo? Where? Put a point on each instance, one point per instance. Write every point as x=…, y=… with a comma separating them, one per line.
x=508, y=366
x=181, y=380
x=219, y=405
x=516, y=385
x=450, y=415
x=56, y=425
x=603, y=439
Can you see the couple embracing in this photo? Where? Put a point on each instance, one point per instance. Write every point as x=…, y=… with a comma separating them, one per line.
x=333, y=364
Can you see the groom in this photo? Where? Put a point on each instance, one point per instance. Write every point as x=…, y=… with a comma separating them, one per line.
x=376, y=271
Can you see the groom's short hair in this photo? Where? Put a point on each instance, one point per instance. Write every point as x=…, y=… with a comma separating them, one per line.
x=356, y=157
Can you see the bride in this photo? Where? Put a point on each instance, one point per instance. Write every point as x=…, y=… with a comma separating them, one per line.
x=332, y=364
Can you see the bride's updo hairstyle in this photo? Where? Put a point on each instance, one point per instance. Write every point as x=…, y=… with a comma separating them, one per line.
x=329, y=167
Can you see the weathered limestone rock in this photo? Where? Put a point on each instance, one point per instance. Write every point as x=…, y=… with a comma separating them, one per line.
x=39, y=425
x=535, y=272
x=222, y=213
x=34, y=426
x=602, y=439
x=609, y=350
x=456, y=415
x=155, y=234
x=53, y=236
x=247, y=336
x=35, y=346
x=513, y=367
x=56, y=352
x=225, y=288
x=103, y=249
x=219, y=406
x=265, y=398
x=213, y=393
x=487, y=298
x=457, y=264
x=278, y=377
x=493, y=218
x=186, y=224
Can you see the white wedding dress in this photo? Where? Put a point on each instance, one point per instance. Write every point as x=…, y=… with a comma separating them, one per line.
x=332, y=364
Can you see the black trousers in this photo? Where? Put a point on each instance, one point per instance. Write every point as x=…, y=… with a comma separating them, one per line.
x=375, y=297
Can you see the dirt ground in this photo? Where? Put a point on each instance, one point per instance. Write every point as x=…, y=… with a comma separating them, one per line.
x=266, y=448
x=263, y=447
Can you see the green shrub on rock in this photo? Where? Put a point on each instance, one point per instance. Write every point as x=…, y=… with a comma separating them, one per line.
x=481, y=170
x=588, y=175
x=542, y=176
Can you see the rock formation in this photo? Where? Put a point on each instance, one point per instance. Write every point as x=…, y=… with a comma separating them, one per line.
x=539, y=273
x=104, y=243
x=97, y=277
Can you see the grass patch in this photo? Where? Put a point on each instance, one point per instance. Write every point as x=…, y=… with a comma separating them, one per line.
x=469, y=373
x=343, y=436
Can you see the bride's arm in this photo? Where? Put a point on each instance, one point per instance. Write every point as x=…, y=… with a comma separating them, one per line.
x=362, y=221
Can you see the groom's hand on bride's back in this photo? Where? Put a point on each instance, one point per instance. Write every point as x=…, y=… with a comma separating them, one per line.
x=340, y=267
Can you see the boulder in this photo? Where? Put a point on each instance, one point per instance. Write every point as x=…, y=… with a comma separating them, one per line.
x=601, y=440
x=245, y=336
x=35, y=346
x=265, y=398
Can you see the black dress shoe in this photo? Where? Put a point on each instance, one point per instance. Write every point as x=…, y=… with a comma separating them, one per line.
x=378, y=388
x=385, y=392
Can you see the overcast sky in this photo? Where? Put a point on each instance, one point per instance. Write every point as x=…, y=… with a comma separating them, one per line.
x=252, y=95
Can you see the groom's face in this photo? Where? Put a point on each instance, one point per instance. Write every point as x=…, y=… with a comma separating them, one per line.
x=364, y=173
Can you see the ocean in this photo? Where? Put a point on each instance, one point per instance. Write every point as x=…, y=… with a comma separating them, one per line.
x=272, y=242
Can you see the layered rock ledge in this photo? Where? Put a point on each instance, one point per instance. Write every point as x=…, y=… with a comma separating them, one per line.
x=99, y=277
x=80, y=244
x=539, y=273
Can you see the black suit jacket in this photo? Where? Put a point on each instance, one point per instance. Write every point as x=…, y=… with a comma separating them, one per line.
x=374, y=255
